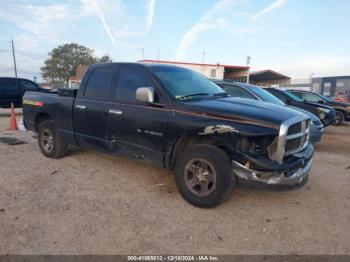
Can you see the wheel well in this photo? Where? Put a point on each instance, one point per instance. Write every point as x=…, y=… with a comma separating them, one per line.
x=40, y=118
x=340, y=110
x=187, y=141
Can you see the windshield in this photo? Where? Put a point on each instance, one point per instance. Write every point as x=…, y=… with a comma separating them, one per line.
x=265, y=96
x=183, y=83
x=292, y=96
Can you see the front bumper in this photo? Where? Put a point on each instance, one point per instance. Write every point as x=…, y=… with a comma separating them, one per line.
x=290, y=174
x=272, y=178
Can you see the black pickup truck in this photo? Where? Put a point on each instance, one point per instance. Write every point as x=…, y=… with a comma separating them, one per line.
x=179, y=119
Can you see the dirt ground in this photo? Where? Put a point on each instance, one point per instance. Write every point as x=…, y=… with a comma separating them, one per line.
x=93, y=203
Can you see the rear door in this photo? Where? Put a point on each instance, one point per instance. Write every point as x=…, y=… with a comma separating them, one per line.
x=91, y=109
x=138, y=128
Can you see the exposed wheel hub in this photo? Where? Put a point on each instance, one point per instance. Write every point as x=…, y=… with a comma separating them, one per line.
x=47, y=140
x=200, y=177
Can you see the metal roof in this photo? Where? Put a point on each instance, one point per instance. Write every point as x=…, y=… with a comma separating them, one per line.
x=265, y=75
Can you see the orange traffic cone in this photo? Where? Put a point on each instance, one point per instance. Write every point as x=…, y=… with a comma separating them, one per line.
x=13, y=122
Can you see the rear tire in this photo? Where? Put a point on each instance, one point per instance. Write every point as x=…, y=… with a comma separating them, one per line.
x=204, y=175
x=50, y=143
x=339, y=118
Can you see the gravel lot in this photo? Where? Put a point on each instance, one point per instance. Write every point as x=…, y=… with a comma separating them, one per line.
x=93, y=203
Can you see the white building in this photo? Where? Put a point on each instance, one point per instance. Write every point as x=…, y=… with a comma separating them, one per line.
x=212, y=71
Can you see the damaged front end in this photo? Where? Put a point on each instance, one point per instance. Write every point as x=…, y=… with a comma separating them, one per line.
x=283, y=159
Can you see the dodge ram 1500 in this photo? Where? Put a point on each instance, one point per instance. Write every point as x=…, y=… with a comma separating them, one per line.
x=176, y=118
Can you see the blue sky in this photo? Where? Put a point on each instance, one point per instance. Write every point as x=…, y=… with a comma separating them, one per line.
x=294, y=37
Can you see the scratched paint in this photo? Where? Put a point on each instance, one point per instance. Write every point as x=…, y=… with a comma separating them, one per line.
x=219, y=129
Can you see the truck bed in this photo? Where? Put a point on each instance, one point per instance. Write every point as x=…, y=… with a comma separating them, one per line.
x=56, y=104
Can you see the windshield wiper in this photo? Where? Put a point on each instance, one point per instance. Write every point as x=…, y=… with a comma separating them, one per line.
x=191, y=95
x=224, y=94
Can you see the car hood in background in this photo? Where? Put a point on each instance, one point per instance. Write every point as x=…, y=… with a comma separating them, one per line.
x=313, y=117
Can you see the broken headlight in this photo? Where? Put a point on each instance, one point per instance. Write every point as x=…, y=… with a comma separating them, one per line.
x=256, y=145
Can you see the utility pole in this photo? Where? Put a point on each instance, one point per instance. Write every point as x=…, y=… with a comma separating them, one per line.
x=311, y=86
x=14, y=57
x=143, y=53
x=248, y=64
x=203, y=57
x=158, y=53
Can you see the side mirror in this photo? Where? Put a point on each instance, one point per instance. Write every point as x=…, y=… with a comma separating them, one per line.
x=288, y=102
x=321, y=101
x=145, y=94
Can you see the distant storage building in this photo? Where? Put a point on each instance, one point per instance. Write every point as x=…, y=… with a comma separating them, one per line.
x=213, y=71
x=332, y=86
x=269, y=78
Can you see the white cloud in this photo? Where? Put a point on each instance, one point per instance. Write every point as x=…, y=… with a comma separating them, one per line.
x=46, y=25
x=93, y=6
x=302, y=66
x=213, y=19
x=53, y=23
x=276, y=4
x=150, y=14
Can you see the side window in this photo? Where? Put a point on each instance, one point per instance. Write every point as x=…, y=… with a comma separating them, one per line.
x=280, y=96
x=311, y=97
x=297, y=94
x=236, y=91
x=128, y=81
x=28, y=85
x=99, y=83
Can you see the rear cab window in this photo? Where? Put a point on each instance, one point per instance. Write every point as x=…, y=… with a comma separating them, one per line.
x=99, y=83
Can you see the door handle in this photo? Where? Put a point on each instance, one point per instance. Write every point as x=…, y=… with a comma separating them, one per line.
x=80, y=107
x=115, y=112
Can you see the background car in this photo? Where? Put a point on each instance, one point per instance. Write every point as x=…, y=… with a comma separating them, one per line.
x=249, y=91
x=342, y=109
x=325, y=113
x=12, y=90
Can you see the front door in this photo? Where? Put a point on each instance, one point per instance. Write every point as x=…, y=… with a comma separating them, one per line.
x=91, y=109
x=138, y=128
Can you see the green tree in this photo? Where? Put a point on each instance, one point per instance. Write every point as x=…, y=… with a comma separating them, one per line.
x=64, y=60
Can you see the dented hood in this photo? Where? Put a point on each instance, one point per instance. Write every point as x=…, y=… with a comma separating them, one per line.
x=241, y=109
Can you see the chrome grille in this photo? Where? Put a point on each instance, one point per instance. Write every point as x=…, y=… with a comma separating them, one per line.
x=294, y=129
x=293, y=137
x=297, y=141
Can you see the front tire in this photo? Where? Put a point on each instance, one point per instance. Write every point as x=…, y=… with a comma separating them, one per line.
x=49, y=140
x=339, y=118
x=204, y=176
